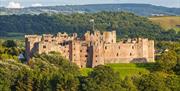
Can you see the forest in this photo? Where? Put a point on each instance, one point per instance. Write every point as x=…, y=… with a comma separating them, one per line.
x=127, y=25
x=52, y=72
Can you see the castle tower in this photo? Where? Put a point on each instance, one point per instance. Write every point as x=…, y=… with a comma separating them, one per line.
x=74, y=52
x=31, y=45
x=151, y=51
x=114, y=36
x=109, y=37
x=97, y=55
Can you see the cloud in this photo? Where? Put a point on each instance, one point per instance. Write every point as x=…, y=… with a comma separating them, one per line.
x=36, y=5
x=14, y=5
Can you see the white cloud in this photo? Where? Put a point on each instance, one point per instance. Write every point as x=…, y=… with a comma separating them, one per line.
x=14, y=5
x=37, y=5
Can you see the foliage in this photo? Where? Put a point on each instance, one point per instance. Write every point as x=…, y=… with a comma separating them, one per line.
x=9, y=44
x=9, y=50
x=152, y=82
x=167, y=61
x=103, y=78
x=169, y=58
x=126, y=24
x=52, y=72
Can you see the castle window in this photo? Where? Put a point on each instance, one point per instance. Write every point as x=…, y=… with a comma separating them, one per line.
x=60, y=43
x=117, y=54
x=80, y=50
x=96, y=55
x=119, y=47
x=86, y=55
x=132, y=47
x=96, y=61
x=130, y=54
x=87, y=50
x=112, y=41
x=74, y=55
x=105, y=47
x=46, y=40
x=74, y=49
x=44, y=46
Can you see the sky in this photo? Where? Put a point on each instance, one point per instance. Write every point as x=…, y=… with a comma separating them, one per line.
x=35, y=3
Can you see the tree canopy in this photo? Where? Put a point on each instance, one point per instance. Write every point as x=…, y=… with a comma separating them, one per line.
x=126, y=25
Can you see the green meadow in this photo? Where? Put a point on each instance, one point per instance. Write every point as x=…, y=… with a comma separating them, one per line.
x=167, y=22
x=125, y=69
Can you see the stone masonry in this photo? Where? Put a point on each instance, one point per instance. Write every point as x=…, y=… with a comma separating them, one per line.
x=93, y=49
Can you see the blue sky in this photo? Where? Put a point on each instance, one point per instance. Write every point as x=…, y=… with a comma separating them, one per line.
x=27, y=3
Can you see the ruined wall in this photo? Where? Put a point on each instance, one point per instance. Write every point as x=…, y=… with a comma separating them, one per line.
x=97, y=55
x=141, y=50
x=75, y=52
x=31, y=42
x=93, y=49
x=84, y=54
x=151, y=51
x=109, y=37
x=119, y=52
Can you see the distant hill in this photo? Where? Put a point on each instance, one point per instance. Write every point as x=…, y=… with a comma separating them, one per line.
x=139, y=9
x=167, y=22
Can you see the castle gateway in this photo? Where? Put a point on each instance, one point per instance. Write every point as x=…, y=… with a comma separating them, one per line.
x=92, y=49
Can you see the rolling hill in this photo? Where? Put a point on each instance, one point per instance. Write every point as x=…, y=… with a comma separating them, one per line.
x=167, y=22
x=139, y=9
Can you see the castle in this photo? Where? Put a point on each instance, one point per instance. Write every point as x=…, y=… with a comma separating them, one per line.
x=93, y=49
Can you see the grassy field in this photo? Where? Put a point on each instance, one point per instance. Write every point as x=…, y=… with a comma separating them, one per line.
x=124, y=70
x=167, y=22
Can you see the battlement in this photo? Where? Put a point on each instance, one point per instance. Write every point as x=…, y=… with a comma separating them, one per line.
x=93, y=49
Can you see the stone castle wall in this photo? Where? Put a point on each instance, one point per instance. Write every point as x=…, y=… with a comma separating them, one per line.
x=93, y=49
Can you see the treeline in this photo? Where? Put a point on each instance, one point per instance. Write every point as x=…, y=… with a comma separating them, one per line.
x=51, y=72
x=126, y=24
x=10, y=49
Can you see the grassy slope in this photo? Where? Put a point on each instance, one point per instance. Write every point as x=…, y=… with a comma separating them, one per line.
x=125, y=69
x=167, y=22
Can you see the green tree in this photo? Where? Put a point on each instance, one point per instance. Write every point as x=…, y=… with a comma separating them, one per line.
x=167, y=60
x=9, y=43
x=152, y=82
x=103, y=78
x=129, y=85
x=172, y=82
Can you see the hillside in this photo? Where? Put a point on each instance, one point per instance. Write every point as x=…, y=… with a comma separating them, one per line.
x=127, y=25
x=124, y=69
x=167, y=22
x=139, y=9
